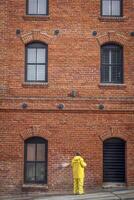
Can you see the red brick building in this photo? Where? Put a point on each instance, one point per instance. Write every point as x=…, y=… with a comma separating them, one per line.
x=66, y=85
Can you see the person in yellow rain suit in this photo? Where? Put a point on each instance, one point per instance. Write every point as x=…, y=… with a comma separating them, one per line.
x=78, y=164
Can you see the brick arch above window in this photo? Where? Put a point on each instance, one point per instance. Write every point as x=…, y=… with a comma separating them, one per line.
x=114, y=133
x=35, y=131
x=115, y=137
x=114, y=37
x=36, y=35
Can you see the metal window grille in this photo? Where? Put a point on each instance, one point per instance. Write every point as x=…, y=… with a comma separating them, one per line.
x=114, y=160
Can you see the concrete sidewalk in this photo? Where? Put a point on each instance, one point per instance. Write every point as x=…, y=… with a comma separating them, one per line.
x=113, y=195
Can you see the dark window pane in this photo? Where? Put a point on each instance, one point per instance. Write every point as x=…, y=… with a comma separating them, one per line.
x=30, y=152
x=40, y=171
x=40, y=152
x=116, y=54
x=32, y=6
x=30, y=172
x=116, y=74
x=119, y=58
x=105, y=74
x=105, y=56
x=42, y=7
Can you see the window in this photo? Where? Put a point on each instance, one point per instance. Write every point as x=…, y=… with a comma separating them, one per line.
x=111, y=63
x=37, y=7
x=111, y=8
x=114, y=160
x=36, y=62
x=35, y=160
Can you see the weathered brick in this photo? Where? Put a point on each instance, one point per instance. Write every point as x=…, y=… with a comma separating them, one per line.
x=73, y=64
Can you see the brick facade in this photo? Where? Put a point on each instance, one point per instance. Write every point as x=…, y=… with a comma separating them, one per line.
x=73, y=64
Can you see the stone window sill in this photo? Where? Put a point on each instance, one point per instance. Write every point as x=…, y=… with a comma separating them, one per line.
x=103, y=18
x=36, y=17
x=35, y=84
x=36, y=186
x=111, y=85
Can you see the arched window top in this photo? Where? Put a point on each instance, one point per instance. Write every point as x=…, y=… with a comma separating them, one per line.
x=36, y=44
x=35, y=140
x=112, y=45
x=114, y=140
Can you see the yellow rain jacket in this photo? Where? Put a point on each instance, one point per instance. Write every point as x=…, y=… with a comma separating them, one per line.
x=78, y=166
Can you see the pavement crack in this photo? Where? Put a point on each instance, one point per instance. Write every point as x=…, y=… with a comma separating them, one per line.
x=116, y=195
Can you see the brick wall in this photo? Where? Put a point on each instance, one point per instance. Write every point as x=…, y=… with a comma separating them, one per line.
x=66, y=133
x=73, y=64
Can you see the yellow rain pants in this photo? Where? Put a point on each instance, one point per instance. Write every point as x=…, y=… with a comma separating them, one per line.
x=78, y=166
